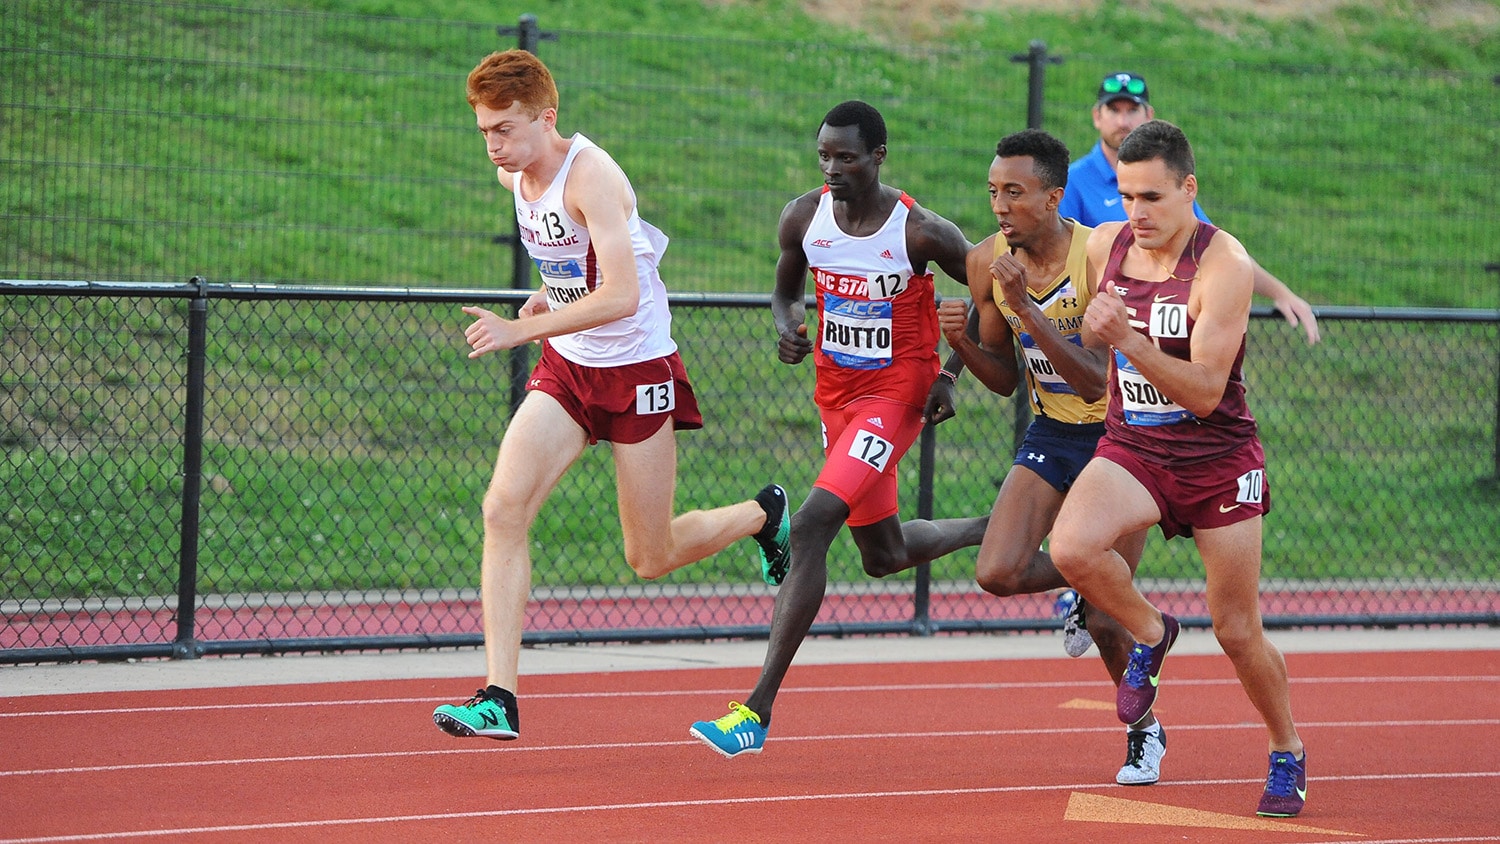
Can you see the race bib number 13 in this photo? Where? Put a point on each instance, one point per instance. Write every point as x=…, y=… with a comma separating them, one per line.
x=651, y=399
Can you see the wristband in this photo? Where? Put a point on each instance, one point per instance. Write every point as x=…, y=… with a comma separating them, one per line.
x=952, y=379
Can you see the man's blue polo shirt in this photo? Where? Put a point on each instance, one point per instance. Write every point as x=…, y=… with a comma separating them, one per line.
x=1093, y=192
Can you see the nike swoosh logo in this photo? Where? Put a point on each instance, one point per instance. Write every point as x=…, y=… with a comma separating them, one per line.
x=1110, y=203
x=1223, y=509
x=1167, y=298
x=1301, y=794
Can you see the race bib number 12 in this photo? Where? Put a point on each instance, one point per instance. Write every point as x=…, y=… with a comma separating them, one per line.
x=869, y=448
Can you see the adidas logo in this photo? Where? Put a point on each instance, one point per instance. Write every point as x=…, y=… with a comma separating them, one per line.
x=877, y=422
x=887, y=255
x=745, y=740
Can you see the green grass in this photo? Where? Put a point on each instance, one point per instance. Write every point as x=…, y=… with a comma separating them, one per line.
x=348, y=443
x=1351, y=153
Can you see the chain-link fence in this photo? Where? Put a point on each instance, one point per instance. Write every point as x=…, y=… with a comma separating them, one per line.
x=236, y=466
x=228, y=469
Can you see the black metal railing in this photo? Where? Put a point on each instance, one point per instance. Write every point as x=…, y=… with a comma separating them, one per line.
x=203, y=468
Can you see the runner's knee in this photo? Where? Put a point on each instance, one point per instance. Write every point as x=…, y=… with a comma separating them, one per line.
x=503, y=510
x=649, y=559
x=1069, y=555
x=813, y=528
x=1000, y=576
x=880, y=563
x=1239, y=634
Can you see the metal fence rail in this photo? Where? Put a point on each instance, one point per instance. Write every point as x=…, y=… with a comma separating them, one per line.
x=216, y=468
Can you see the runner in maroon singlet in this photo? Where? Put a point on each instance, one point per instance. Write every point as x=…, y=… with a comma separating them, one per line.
x=1180, y=446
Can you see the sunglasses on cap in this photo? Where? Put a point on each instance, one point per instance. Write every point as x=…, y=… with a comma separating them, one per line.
x=1123, y=85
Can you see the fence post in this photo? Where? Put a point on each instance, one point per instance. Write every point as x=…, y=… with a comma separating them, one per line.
x=1495, y=479
x=528, y=35
x=926, y=470
x=185, y=645
x=1036, y=60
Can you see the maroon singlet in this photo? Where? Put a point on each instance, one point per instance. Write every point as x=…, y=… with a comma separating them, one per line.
x=1139, y=416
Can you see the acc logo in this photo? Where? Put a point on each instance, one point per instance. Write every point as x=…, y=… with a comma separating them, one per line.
x=560, y=269
x=857, y=309
x=823, y=243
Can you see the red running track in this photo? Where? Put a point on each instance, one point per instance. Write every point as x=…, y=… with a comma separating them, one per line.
x=1403, y=748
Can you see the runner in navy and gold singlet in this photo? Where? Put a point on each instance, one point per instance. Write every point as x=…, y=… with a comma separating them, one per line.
x=1030, y=286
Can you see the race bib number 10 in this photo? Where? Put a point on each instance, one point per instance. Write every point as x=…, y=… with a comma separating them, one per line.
x=1252, y=487
x=1169, y=320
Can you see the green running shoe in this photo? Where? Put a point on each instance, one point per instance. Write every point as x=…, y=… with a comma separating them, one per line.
x=774, y=541
x=482, y=715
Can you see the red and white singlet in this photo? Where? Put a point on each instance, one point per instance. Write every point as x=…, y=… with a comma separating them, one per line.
x=878, y=329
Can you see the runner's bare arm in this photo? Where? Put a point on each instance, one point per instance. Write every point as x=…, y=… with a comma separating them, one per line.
x=1294, y=309
x=930, y=239
x=788, y=307
x=1084, y=369
x=991, y=357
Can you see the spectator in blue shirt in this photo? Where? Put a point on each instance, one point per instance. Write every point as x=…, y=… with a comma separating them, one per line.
x=1092, y=195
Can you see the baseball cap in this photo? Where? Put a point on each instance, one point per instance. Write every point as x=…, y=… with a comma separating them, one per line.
x=1123, y=85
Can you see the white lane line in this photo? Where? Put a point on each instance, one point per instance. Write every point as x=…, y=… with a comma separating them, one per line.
x=859, y=689
x=736, y=800
x=496, y=747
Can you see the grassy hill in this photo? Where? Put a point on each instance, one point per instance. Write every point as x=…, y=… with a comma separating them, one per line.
x=1349, y=145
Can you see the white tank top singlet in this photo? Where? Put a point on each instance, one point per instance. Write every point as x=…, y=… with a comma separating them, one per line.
x=563, y=253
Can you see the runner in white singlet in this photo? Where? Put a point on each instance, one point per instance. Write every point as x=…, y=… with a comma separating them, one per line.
x=609, y=370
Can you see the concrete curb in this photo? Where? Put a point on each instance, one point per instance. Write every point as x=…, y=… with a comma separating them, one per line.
x=468, y=663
